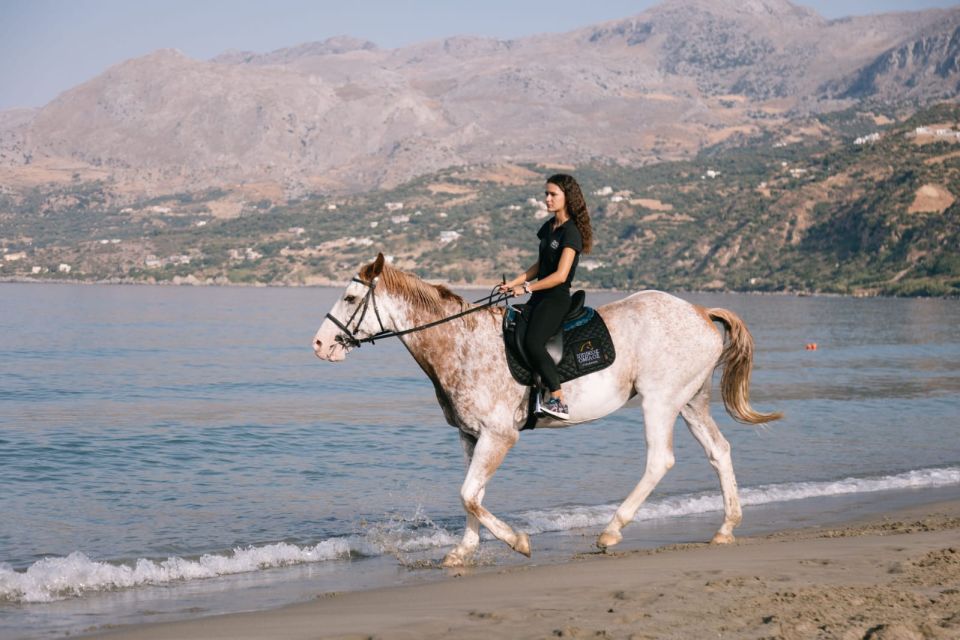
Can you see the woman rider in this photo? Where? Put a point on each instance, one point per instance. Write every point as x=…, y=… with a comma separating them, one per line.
x=562, y=239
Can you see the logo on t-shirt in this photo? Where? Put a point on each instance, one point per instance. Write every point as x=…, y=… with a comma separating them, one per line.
x=554, y=244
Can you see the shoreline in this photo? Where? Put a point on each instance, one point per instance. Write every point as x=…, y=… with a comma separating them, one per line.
x=895, y=575
x=462, y=287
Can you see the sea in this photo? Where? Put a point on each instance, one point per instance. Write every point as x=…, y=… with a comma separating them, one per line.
x=178, y=452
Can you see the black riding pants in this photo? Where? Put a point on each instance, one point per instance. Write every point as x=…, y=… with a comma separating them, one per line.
x=548, y=309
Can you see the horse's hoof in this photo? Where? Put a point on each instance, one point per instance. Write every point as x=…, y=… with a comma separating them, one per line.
x=723, y=538
x=522, y=545
x=453, y=560
x=609, y=539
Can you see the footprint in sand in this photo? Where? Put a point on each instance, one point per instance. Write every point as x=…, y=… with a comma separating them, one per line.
x=485, y=615
x=816, y=561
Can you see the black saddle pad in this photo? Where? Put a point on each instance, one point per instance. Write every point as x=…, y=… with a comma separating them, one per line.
x=587, y=346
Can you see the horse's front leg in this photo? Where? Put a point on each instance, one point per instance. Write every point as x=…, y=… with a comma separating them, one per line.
x=471, y=535
x=488, y=452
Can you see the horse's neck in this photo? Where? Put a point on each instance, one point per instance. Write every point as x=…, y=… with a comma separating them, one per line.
x=438, y=349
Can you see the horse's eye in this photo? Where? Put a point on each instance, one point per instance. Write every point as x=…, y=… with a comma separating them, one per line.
x=350, y=299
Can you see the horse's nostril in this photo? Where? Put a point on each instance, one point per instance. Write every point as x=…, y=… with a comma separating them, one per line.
x=318, y=343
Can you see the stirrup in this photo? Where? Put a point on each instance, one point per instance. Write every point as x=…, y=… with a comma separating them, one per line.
x=538, y=405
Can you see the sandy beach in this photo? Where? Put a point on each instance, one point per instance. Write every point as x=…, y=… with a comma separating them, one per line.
x=896, y=577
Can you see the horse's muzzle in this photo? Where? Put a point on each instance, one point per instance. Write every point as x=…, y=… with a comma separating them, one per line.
x=333, y=352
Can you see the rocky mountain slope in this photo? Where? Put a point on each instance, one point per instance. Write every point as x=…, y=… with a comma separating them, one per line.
x=832, y=203
x=924, y=68
x=343, y=115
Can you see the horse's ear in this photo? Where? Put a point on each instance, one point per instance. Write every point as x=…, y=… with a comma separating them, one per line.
x=378, y=266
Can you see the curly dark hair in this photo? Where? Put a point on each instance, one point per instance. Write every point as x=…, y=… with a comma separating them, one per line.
x=576, y=206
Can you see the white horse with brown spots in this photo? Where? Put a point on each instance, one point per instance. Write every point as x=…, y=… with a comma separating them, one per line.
x=667, y=350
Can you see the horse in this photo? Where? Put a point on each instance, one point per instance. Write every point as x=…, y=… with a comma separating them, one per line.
x=667, y=350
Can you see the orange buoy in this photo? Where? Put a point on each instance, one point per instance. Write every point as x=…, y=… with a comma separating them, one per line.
x=811, y=346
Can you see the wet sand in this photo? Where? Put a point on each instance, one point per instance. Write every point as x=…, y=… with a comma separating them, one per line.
x=896, y=577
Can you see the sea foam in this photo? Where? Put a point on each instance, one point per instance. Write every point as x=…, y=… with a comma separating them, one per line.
x=577, y=517
x=58, y=578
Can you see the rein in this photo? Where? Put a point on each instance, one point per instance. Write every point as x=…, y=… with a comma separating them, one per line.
x=349, y=338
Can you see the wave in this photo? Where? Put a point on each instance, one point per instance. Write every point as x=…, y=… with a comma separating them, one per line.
x=691, y=504
x=58, y=578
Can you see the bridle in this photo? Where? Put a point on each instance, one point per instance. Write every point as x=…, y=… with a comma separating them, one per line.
x=348, y=337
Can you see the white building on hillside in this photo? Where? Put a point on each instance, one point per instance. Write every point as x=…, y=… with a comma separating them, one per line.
x=872, y=137
x=446, y=237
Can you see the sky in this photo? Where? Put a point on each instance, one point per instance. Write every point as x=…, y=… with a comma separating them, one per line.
x=49, y=46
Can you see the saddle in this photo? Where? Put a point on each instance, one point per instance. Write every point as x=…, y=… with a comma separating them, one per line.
x=583, y=345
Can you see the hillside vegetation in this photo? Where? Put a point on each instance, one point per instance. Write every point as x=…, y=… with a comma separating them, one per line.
x=802, y=209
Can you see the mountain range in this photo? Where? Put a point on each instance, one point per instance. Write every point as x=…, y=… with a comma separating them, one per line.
x=344, y=115
x=860, y=209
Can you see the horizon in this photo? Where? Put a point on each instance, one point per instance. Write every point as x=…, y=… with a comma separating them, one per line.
x=46, y=44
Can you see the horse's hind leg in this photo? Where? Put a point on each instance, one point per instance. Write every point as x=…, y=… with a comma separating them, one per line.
x=488, y=452
x=697, y=416
x=471, y=535
x=658, y=421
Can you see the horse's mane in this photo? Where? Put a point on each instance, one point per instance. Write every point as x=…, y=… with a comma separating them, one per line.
x=422, y=295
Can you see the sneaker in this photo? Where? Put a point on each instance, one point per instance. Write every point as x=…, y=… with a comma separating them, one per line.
x=556, y=409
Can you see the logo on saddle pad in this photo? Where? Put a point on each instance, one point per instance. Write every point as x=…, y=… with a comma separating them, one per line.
x=588, y=355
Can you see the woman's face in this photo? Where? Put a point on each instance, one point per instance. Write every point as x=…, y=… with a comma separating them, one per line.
x=555, y=198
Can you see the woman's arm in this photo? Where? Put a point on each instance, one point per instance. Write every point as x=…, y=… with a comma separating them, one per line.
x=526, y=276
x=559, y=276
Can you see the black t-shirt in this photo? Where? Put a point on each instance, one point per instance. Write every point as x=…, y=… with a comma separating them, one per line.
x=552, y=243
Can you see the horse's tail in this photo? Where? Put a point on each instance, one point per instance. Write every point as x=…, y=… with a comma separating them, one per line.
x=737, y=361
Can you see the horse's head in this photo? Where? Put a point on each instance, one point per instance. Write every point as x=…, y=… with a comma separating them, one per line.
x=354, y=316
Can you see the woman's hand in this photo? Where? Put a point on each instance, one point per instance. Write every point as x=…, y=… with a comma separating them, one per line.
x=514, y=290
